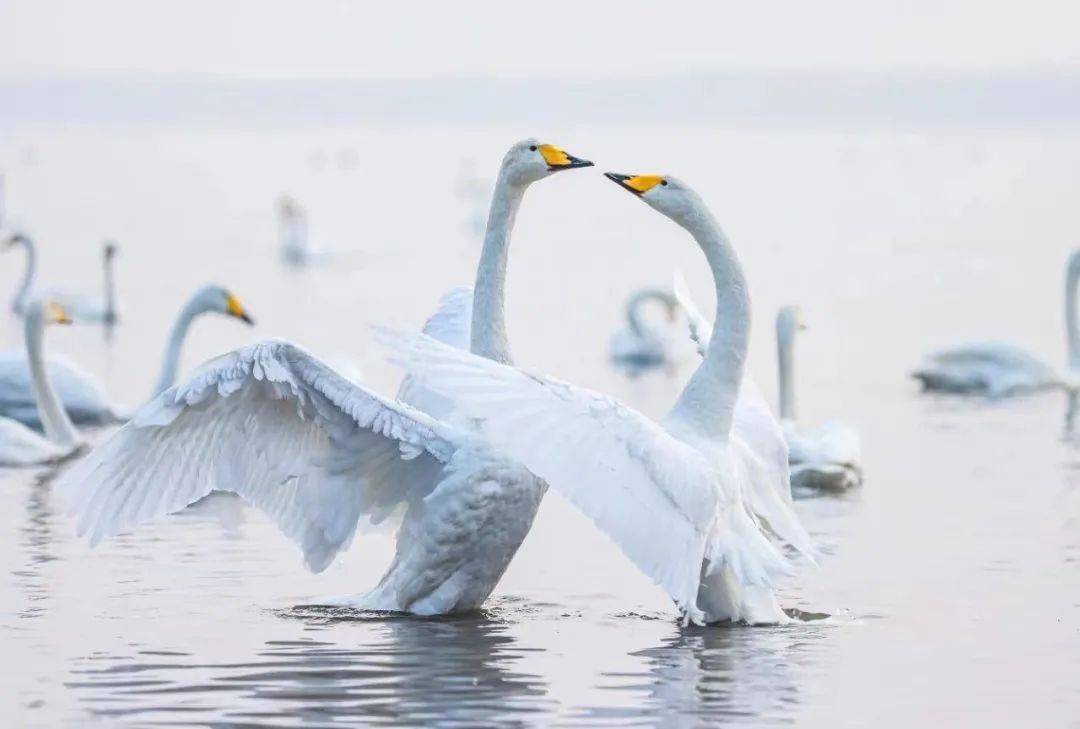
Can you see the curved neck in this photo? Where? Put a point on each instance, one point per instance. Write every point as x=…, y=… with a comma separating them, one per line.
x=638, y=299
x=785, y=350
x=488, y=315
x=22, y=294
x=54, y=419
x=170, y=364
x=110, y=289
x=1072, y=326
x=708, y=400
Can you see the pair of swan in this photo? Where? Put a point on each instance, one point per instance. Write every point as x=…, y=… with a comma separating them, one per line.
x=642, y=346
x=80, y=394
x=83, y=307
x=998, y=369
x=19, y=445
x=321, y=454
x=826, y=457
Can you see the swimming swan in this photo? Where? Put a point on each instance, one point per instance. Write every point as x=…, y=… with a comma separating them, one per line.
x=81, y=307
x=686, y=499
x=19, y=445
x=80, y=393
x=322, y=455
x=642, y=346
x=997, y=369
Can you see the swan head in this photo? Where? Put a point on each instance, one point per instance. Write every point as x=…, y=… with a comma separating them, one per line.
x=108, y=250
x=663, y=193
x=222, y=301
x=790, y=320
x=530, y=160
x=46, y=311
x=14, y=239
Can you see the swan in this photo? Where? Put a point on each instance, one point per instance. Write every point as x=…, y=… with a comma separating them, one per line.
x=822, y=458
x=690, y=500
x=296, y=249
x=82, y=396
x=82, y=307
x=640, y=346
x=19, y=445
x=322, y=455
x=998, y=369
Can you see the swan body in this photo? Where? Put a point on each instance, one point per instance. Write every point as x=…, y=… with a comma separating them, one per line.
x=80, y=393
x=995, y=369
x=998, y=369
x=82, y=307
x=641, y=346
x=19, y=445
x=685, y=498
x=324, y=456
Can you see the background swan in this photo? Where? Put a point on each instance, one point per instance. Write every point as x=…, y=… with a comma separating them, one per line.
x=826, y=457
x=642, y=346
x=998, y=369
x=19, y=445
x=683, y=498
x=82, y=307
x=323, y=455
x=83, y=398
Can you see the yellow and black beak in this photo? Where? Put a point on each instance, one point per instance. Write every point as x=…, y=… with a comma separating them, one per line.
x=637, y=184
x=235, y=308
x=56, y=313
x=557, y=159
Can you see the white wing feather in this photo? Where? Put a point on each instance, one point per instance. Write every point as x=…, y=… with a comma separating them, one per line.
x=276, y=426
x=641, y=481
x=451, y=324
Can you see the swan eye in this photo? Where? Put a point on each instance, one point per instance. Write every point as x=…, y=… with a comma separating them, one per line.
x=532, y=148
x=663, y=182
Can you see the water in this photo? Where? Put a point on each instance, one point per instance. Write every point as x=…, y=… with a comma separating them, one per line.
x=950, y=582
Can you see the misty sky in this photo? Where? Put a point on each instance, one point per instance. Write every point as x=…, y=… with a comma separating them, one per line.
x=261, y=38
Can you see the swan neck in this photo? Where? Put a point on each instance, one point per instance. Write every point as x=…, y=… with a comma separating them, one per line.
x=54, y=418
x=1072, y=318
x=170, y=364
x=110, y=290
x=707, y=402
x=635, y=306
x=785, y=350
x=22, y=293
x=489, y=338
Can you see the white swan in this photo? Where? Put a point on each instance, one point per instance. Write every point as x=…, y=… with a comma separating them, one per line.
x=321, y=454
x=296, y=247
x=997, y=369
x=687, y=499
x=642, y=346
x=19, y=445
x=82, y=307
x=82, y=396
x=822, y=458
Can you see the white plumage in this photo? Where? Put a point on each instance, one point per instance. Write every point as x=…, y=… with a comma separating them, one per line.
x=687, y=499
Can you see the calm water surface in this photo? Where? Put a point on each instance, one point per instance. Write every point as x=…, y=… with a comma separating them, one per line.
x=950, y=585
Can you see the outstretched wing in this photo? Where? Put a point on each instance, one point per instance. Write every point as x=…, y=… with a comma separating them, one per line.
x=451, y=324
x=654, y=495
x=276, y=426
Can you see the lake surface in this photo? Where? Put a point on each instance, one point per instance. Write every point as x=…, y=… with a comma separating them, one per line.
x=949, y=589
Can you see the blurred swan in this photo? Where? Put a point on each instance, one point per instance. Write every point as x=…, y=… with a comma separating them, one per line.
x=19, y=445
x=82, y=307
x=322, y=455
x=826, y=457
x=82, y=397
x=685, y=498
x=998, y=369
x=296, y=247
x=642, y=346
